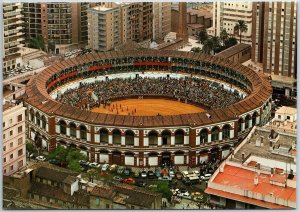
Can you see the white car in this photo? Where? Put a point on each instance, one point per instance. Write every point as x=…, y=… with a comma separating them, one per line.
x=40, y=158
x=165, y=178
x=105, y=167
x=196, y=173
x=206, y=177
x=94, y=165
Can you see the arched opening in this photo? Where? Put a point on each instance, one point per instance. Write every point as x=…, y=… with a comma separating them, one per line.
x=166, y=137
x=116, y=136
x=129, y=138
x=103, y=135
x=203, y=136
x=44, y=122
x=254, y=116
x=32, y=115
x=214, y=154
x=215, y=134
x=116, y=157
x=240, y=122
x=38, y=119
x=153, y=138
x=247, y=119
x=72, y=129
x=179, y=137
x=166, y=158
x=83, y=132
x=63, y=127
x=226, y=131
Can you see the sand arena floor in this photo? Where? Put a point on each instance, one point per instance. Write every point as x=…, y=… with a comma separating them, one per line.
x=148, y=107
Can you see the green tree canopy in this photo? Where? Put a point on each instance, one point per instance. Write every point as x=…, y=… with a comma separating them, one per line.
x=223, y=36
x=202, y=36
x=231, y=41
x=29, y=147
x=163, y=188
x=75, y=155
x=60, y=153
x=74, y=165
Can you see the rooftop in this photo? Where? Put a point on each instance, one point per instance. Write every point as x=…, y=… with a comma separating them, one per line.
x=264, y=151
x=233, y=50
x=236, y=178
x=287, y=110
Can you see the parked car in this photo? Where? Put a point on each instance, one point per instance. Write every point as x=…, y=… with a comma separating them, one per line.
x=127, y=171
x=150, y=174
x=84, y=163
x=117, y=178
x=196, y=173
x=136, y=174
x=105, y=167
x=113, y=167
x=178, y=175
x=165, y=178
x=120, y=169
x=140, y=184
x=128, y=180
x=54, y=161
x=205, y=177
x=40, y=158
x=143, y=174
x=157, y=173
x=171, y=174
x=95, y=165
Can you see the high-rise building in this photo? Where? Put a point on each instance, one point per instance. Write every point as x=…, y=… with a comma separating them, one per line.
x=63, y=26
x=274, y=41
x=14, y=148
x=161, y=19
x=226, y=16
x=182, y=24
x=13, y=36
x=108, y=25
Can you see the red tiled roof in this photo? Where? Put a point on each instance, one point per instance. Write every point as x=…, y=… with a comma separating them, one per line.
x=244, y=199
x=241, y=178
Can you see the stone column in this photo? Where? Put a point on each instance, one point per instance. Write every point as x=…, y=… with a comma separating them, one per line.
x=146, y=141
x=136, y=140
x=159, y=140
x=209, y=137
x=57, y=129
x=243, y=126
x=123, y=139
x=172, y=139
x=250, y=123
x=186, y=139
x=257, y=120
x=231, y=135
x=220, y=135
x=77, y=133
x=110, y=138
x=68, y=131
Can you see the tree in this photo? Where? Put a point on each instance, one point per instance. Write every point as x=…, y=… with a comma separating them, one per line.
x=242, y=27
x=223, y=36
x=208, y=46
x=29, y=148
x=92, y=173
x=75, y=155
x=37, y=43
x=60, y=153
x=231, y=41
x=215, y=43
x=196, y=49
x=164, y=189
x=202, y=36
x=74, y=165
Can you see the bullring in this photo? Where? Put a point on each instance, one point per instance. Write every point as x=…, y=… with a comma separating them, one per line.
x=146, y=141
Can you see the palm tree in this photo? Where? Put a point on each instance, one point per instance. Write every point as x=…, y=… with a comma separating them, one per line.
x=208, y=46
x=242, y=27
x=216, y=43
x=231, y=41
x=223, y=36
x=196, y=49
x=202, y=36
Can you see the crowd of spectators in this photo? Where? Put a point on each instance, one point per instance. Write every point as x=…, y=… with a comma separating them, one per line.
x=188, y=89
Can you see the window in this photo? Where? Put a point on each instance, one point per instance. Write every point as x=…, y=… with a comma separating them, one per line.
x=4, y=148
x=97, y=201
x=3, y=124
x=4, y=171
x=288, y=117
x=10, y=121
x=12, y=167
x=20, y=163
x=11, y=144
x=4, y=160
x=279, y=116
x=11, y=133
x=20, y=141
x=20, y=129
x=11, y=156
x=19, y=117
x=20, y=152
x=3, y=136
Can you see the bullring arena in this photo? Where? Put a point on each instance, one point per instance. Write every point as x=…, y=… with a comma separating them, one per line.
x=146, y=108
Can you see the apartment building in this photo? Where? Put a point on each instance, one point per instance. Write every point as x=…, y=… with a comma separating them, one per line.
x=13, y=36
x=274, y=42
x=226, y=16
x=63, y=26
x=14, y=143
x=108, y=26
x=161, y=19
